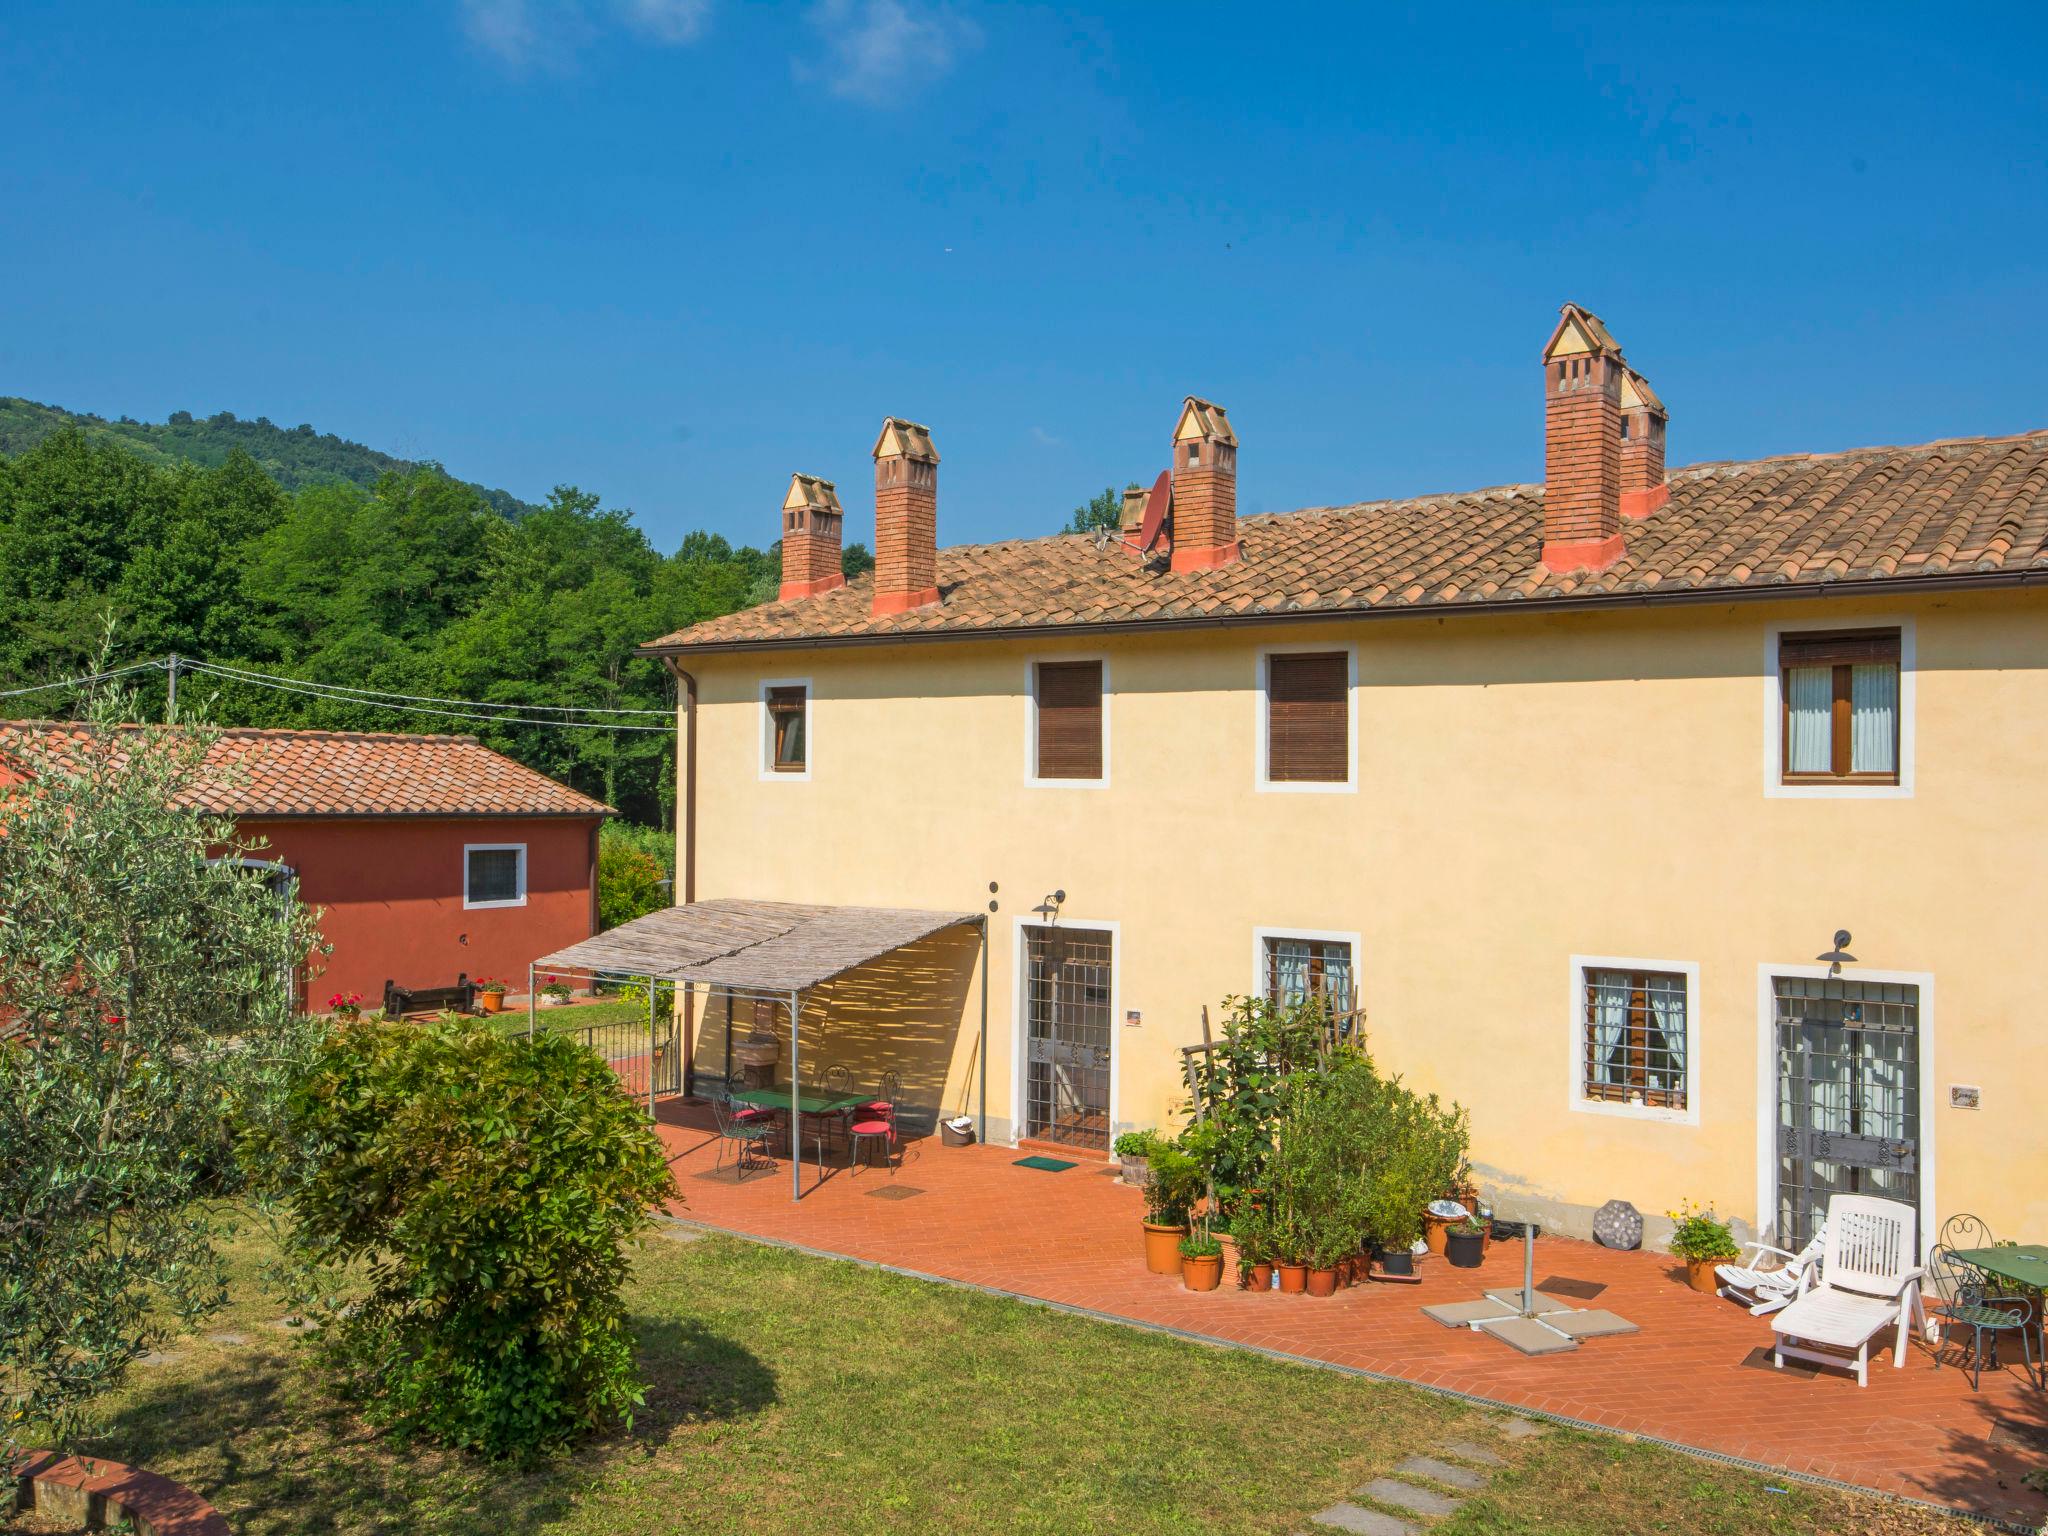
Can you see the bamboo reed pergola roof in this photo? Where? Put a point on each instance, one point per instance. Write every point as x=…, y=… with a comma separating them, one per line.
x=751, y=946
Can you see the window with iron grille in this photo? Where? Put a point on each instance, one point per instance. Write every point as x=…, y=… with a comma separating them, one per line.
x=494, y=875
x=1634, y=1038
x=1308, y=718
x=787, y=721
x=1069, y=733
x=1839, y=710
x=1298, y=969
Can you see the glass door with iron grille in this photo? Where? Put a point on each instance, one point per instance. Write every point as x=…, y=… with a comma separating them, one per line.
x=1848, y=1096
x=1067, y=1036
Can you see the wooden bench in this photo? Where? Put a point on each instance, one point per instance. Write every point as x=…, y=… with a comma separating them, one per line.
x=400, y=1001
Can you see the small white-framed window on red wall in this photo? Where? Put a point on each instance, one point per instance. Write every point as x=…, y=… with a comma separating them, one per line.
x=494, y=875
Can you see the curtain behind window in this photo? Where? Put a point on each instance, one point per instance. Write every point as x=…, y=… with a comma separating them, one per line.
x=1873, y=718
x=1610, y=1027
x=1809, y=719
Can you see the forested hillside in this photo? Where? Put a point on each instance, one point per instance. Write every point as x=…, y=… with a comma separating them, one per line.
x=295, y=457
x=414, y=585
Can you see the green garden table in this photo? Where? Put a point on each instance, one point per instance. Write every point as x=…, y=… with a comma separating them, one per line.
x=2026, y=1264
x=810, y=1101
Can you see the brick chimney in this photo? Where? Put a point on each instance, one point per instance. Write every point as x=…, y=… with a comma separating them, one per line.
x=812, y=520
x=906, y=518
x=1582, y=369
x=1204, y=487
x=1643, y=488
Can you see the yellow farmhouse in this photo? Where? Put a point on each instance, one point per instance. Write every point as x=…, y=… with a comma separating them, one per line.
x=1686, y=827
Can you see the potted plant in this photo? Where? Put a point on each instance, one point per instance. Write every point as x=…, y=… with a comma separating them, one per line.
x=346, y=1006
x=1254, y=1250
x=1201, y=1261
x=1131, y=1149
x=1465, y=1243
x=1170, y=1194
x=1293, y=1276
x=490, y=995
x=1703, y=1241
x=554, y=992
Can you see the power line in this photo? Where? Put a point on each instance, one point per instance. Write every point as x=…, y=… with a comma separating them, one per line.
x=293, y=685
x=343, y=690
x=80, y=682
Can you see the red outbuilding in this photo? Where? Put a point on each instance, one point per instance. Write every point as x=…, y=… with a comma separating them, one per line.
x=429, y=858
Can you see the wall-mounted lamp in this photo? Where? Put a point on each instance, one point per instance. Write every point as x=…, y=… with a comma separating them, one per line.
x=1049, y=909
x=1839, y=955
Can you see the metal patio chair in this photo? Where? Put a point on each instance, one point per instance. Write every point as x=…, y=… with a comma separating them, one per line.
x=1962, y=1301
x=747, y=1135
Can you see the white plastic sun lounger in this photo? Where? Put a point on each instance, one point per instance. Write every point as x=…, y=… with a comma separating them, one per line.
x=1770, y=1289
x=1868, y=1282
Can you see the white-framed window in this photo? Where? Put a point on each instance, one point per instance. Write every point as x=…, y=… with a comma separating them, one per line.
x=1839, y=710
x=1066, y=739
x=1290, y=965
x=1307, y=704
x=1635, y=1037
x=493, y=874
x=785, y=728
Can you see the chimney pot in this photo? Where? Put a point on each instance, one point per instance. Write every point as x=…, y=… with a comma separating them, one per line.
x=1582, y=370
x=813, y=525
x=1204, y=487
x=906, y=517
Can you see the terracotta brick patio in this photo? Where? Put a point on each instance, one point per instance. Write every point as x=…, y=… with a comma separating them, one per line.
x=969, y=1215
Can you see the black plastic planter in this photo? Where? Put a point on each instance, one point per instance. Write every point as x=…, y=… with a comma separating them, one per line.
x=1464, y=1249
x=1397, y=1261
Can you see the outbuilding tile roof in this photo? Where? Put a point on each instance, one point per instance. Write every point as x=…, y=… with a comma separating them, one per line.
x=1958, y=508
x=286, y=773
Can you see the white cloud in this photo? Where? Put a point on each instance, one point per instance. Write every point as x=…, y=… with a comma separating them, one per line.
x=879, y=50
x=666, y=21
x=547, y=34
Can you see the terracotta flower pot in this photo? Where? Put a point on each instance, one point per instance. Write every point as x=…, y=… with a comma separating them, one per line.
x=1162, y=1248
x=1229, y=1245
x=490, y=1002
x=1258, y=1278
x=1699, y=1274
x=1201, y=1272
x=1433, y=1229
x=1293, y=1279
x=1322, y=1282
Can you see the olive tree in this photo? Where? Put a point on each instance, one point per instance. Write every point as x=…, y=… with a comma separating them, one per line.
x=146, y=1004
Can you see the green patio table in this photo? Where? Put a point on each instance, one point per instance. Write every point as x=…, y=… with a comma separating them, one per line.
x=811, y=1101
x=2026, y=1264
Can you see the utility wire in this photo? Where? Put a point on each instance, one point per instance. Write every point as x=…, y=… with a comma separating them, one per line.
x=80, y=682
x=292, y=685
x=342, y=689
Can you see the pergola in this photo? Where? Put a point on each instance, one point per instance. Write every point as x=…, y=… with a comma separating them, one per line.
x=774, y=950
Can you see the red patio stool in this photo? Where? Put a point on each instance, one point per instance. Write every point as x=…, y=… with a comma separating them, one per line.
x=882, y=1131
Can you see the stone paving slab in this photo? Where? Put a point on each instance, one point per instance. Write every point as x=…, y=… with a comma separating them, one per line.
x=1442, y=1472
x=1465, y=1450
x=1511, y=1298
x=1463, y=1314
x=1364, y=1522
x=1528, y=1336
x=1524, y=1429
x=1596, y=1324
x=1418, y=1501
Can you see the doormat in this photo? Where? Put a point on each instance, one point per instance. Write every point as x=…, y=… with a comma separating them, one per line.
x=895, y=1192
x=1584, y=1290
x=1043, y=1164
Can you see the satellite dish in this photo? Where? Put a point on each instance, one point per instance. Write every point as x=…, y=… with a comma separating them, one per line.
x=1157, y=505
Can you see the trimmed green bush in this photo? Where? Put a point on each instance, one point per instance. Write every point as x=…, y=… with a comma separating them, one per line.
x=485, y=1185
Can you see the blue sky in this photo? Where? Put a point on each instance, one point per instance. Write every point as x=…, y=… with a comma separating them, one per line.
x=672, y=250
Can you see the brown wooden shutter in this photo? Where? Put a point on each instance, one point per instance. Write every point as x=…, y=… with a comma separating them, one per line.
x=1307, y=729
x=1070, y=720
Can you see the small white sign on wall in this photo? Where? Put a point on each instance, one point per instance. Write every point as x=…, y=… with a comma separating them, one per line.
x=1964, y=1095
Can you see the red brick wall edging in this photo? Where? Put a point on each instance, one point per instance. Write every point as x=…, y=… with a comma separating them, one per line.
x=97, y=1494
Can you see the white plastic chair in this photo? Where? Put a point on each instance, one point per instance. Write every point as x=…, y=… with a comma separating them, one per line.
x=1771, y=1289
x=1868, y=1282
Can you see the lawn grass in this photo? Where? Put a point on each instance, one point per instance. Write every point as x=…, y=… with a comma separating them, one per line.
x=796, y=1394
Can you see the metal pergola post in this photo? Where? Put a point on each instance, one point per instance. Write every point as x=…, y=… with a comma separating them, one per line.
x=796, y=1099
x=981, y=1116
x=653, y=996
x=529, y=1001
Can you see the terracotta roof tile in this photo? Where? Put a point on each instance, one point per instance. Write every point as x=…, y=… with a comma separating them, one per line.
x=354, y=773
x=1957, y=508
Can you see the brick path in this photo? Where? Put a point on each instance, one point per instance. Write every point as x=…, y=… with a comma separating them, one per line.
x=1072, y=1238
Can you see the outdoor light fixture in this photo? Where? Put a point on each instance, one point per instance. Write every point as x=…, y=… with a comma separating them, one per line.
x=1049, y=909
x=1840, y=953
